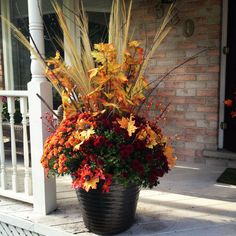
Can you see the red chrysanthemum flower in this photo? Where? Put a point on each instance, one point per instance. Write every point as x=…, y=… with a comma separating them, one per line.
x=126, y=150
x=99, y=141
x=137, y=166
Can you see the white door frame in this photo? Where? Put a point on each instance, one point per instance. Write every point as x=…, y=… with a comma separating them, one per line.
x=71, y=24
x=222, y=72
x=7, y=47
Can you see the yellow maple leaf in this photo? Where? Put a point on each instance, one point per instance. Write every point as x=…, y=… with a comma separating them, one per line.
x=82, y=136
x=128, y=124
x=131, y=128
x=58, y=56
x=98, y=46
x=98, y=56
x=87, y=133
x=92, y=183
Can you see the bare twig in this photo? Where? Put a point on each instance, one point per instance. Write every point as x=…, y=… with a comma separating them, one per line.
x=164, y=111
x=45, y=103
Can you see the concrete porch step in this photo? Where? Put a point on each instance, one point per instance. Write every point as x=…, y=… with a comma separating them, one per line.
x=220, y=157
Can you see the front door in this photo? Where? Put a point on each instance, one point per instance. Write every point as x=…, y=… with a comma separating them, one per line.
x=230, y=131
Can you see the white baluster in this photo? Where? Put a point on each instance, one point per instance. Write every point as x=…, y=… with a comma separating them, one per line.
x=27, y=179
x=2, y=153
x=11, y=110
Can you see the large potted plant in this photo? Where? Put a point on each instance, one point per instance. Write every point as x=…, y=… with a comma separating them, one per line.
x=106, y=141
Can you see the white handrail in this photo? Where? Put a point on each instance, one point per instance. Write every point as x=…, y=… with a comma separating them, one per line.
x=14, y=93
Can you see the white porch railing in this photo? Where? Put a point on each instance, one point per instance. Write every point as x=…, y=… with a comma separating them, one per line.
x=43, y=188
x=15, y=170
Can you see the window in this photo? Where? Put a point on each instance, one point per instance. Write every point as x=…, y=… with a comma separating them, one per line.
x=20, y=55
x=98, y=15
x=16, y=58
x=98, y=22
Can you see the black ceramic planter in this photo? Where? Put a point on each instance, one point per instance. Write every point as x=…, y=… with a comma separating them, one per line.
x=109, y=213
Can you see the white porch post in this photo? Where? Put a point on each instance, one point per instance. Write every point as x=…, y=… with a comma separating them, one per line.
x=44, y=189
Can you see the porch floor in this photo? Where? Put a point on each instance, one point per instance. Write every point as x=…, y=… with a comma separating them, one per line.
x=187, y=202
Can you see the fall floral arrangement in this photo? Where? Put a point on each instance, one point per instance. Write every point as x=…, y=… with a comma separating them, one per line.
x=106, y=140
x=103, y=137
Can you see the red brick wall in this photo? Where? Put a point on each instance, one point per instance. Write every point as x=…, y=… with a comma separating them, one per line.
x=193, y=88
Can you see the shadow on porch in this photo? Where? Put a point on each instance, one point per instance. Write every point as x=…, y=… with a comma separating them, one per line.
x=188, y=201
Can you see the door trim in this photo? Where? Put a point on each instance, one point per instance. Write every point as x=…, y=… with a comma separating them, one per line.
x=222, y=72
x=7, y=47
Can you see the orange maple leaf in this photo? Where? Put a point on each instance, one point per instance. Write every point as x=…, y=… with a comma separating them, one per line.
x=123, y=122
x=170, y=157
x=128, y=124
